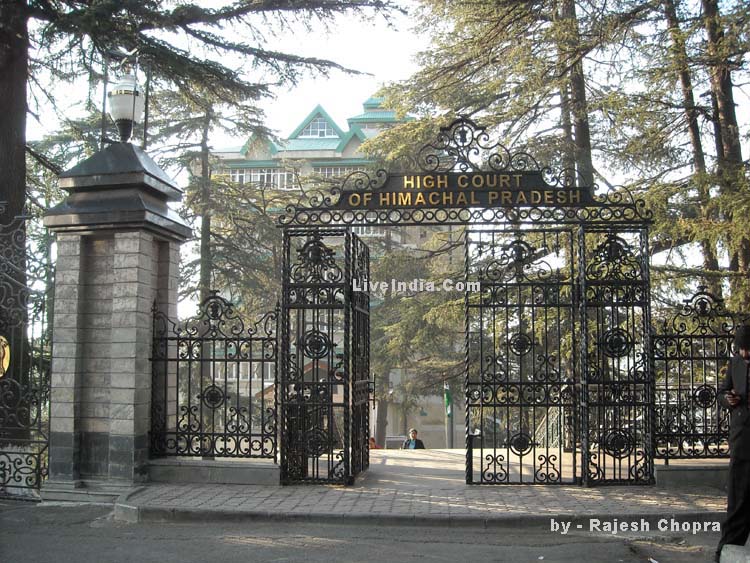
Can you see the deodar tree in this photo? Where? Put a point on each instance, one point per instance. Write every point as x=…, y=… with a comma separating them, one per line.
x=633, y=92
x=219, y=46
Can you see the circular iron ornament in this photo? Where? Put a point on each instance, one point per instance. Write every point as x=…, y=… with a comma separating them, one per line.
x=316, y=442
x=212, y=396
x=4, y=356
x=616, y=343
x=618, y=444
x=521, y=444
x=704, y=396
x=520, y=344
x=474, y=395
x=316, y=344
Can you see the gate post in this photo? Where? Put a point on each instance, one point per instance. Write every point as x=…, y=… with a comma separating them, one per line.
x=118, y=253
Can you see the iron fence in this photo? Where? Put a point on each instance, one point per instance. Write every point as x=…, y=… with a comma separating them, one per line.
x=214, y=384
x=691, y=347
x=26, y=282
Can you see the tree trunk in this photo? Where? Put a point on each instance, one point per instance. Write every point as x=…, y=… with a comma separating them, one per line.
x=206, y=267
x=206, y=259
x=568, y=147
x=569, y=158
x=14, y=62
x=710, y=260
x=381, y=422
x=578, y=106
x=14, y=57
x=730, y=165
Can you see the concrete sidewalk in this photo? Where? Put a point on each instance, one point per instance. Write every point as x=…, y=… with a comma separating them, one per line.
x=422, y=488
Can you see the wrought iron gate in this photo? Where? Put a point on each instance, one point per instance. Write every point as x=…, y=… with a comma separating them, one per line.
x=521, y=365
x=691, y=347
x=617, y=403
x=25, y=357
x=213, y=384
x=559, y=387
x=559, y=381
x=324, y=379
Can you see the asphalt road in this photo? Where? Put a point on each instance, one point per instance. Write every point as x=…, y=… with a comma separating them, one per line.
x=58, y=533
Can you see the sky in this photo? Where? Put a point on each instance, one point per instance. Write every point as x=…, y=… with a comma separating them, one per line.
x=385, y=53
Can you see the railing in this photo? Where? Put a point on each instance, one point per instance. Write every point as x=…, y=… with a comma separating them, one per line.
x=548, y=431
x=214, y=384
x=691, y=347
x=26, y=290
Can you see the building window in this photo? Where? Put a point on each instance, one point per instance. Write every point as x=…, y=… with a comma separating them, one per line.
x=271, y=178
x=334, y=171
x=263, y=371
x=243, y=368
x=268, y=178
x=368, y=231
x=237, y=175
x=318, y=127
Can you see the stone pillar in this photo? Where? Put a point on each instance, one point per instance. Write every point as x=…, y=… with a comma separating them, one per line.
x=118, y=256
x=65, y=385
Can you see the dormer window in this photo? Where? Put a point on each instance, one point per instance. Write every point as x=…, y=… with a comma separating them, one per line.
x=318, y=127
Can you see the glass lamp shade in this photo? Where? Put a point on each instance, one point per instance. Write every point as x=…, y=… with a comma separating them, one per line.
x=126, y=105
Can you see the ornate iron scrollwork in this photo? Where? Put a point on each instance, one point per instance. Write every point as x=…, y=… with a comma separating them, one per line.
x=691, y=347
x=520, y=378
x=464, y=146
x=218, y=376
x=325, y=385
x=316, y=263
x=26, y=281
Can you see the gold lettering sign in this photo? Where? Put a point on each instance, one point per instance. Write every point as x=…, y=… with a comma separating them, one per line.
x=466, y=189
x=4, y=356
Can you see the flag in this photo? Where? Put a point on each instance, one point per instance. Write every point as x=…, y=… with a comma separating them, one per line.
x=448, y=399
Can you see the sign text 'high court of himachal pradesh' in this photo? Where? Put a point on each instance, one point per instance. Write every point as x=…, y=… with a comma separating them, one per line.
x=476, y=189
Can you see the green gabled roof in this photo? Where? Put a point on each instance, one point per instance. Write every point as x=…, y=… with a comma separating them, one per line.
x=317, y=112
x=374, y=116
x=354, y=132
x=373, y=103
x=311, y=144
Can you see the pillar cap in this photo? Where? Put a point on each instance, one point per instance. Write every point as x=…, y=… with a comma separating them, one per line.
x=119, y=188
x=120, y=165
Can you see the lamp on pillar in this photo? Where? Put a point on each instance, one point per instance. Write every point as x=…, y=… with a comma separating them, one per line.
x=126, y=105
x=117, y=260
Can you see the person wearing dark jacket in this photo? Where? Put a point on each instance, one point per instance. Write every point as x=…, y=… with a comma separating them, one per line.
x=733, y=394
x=412, y=443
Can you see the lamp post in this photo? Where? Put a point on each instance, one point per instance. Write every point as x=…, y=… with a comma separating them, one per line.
x=115, y=224
x=126, y=105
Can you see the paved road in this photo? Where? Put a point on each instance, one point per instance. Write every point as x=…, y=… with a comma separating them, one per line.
x=86, y=533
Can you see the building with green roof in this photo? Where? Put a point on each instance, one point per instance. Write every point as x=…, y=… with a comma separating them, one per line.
x=317, y=146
